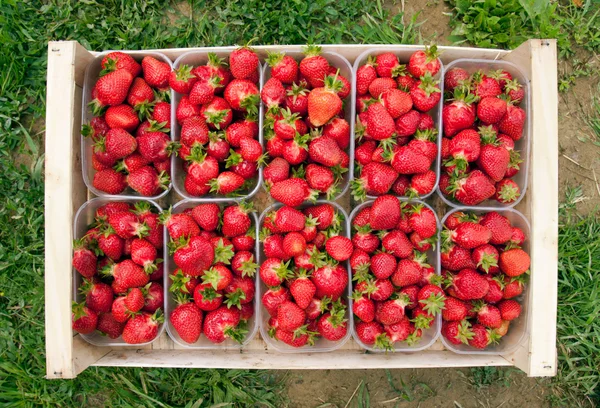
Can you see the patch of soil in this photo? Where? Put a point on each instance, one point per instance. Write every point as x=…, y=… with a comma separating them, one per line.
x=433, y=15
x=417, y=388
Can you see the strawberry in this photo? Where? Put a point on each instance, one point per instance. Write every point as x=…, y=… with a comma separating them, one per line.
x=387, y=65
x=302, y=290
x=485, y=86
x=283, y=67
x=365, y=240
x=423, y=221
x=141, y=97
x=274, y=297
x=109, y=326
x=363, y=307
x=156, y=146
x=277, y=170
x=84, y=319
x=84, y=260
x=407, y=124
x=243, y=62
x=470, y=235
x=495, y=293
x=372, y=333
x=110, y=90
x=425, y=93
x=379, y=122
x=454, y=310
x=118, y=144
x=493, y=159
x=323, y=102
x=181, y=79
x=482, y=337
x=154, y=297
x=273, y=93
x=344, y=90
x=290, y=316
x=422, y=62
x=242, y=95
x=488, y=315
x=404, y=80
x=365, y=74
x=491, y=110
x=465, y=147
x=203, y=92
x=486, y=258
x=296, y=99
x=243, y=264
x=221, y=324
x=98, y=296
x=408, y=272
x=405, y=160
x=193, y=255
x=134, y=301
x=330, y=281
x=142, y=328
x=127, y=274
x=458, y=114
x=339, y=248
x=288, y=219
x=507, y=191
x=499, y=226
x=385, y=213
x=186, y=109
x=468, y=285
x=236, y=132
x=457, y=332
x=179, y=225
x=226, y=182
x=383, y=265
x=421, y=184
x=206, y=298
x=325, y=150
x=380, y=86
x=96, y=129
x=472, y=189
x=122, y=117
x=292, y=192
x=294, y=244
x=240, y=291
x=513, y=122
x=144, y=254
x=273, y=246
x=456, y=258
x=321, y=179
x=454, y=78
x=161, y=114
x=273, y=272
x=400, y=331
x=147, y=181
x=509, y=309
x=236, y=220
x=217, y=113
x=127, y=225
x=514, y=90
x=119, y=60
x=187, y=322
x=111, y=245
x=339, y=130
x=392, y=311
x=156, y=73
x=383, y=290
x=313, y=66
x=332, y=326
x=514, y=262
x=325, y=214
x=396, y=243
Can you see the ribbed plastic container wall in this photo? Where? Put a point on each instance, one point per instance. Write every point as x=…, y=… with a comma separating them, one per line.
x=195, y=58
x=170, y=267
x=429, y=335
x=321, y=345
x=337, y=61
x=83, y=218
x=522, y=145
x=518, y=327
x=92, y=73
x=403, y=55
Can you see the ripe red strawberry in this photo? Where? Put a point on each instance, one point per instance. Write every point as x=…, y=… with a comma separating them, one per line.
x=283, y=67
x=290, y=316
x=482, y=337
x=392, y=311
x=379, y=122
x=274, y=271
x=292, y=192
x=240, y=291
x=127, y=274
x=494, y=158
x=204, y=91
x=468, y=285
x=385, y=213
x=407, y=124
x=455, y=78
x=134, y=301
x=154, y=297
x=221, y=324
x=380, y=86
x=156, y=146
x=162, y=114
x=187, y=321
x=236, y=220
x=181, y=79
x=321, y=179
x=156, y=73
x=243, y=62
x=454, y=309
x=302, y=290
x=273, y=93
x=122, y=117
x=96, y=128
x=118, y=144
x=424, y=183
x=296, y=99
x=294, y=244
x=422, y=62
x=339, y=247
x=514, y=90
x=98, y=296
x=344, y=90
x=491, y=110
x=226, y=182
x=277, y=170
x=507, y=191
x=363, y=307
x=108, y=325
x=499, y=226
x=486, y=258
x=472, y=188
x=372, y=333
x=313, y=66
x=465, y=147
x=383, y=265
x=147, y=181
x=323, y=102
x=325, y=150
x=84, y=319
x=193, y=255
x=488, y=315
x=458, y=114
x=127, y=225
x=375, y=178
x=217, y=113
x=144, y=254
x=110, y=90
x=513, y=122
x=457, y=332
x=242, y=95
x=119, y=60
x=387, y=65
x=325, y=214
x=422, y=220
x=332, y=326
x=396, y=243
x=408, y=272
x=485, y=86
x=111, y=245
x=288, y=219
x=179, y=225
x=456, y=258
x=514, y=262
x=425, y=93
x=194, y=131
x=140, y=97
x=273, y=298
x=495, y=293
x=509, y=309
x=330, y=281
x=206, y=298
x=142, y=328
x=339, y=130
x=406, y=160
x=365, y=74
x=295, y=151
x=470, y=235
x=84, y=260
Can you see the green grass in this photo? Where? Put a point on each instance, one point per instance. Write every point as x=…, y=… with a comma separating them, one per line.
x=25, y=28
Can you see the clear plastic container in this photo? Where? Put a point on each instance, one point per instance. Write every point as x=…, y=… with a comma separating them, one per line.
x=83, y=218
x=321, y=345
x=195, y=58
x=522, y=145
x=337, y=61
x=403, y=55
x=203, y=342
x=429, y=335
x=92, y=73
x=518, y=327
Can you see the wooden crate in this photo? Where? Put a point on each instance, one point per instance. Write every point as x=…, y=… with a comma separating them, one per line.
x=68, y=354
